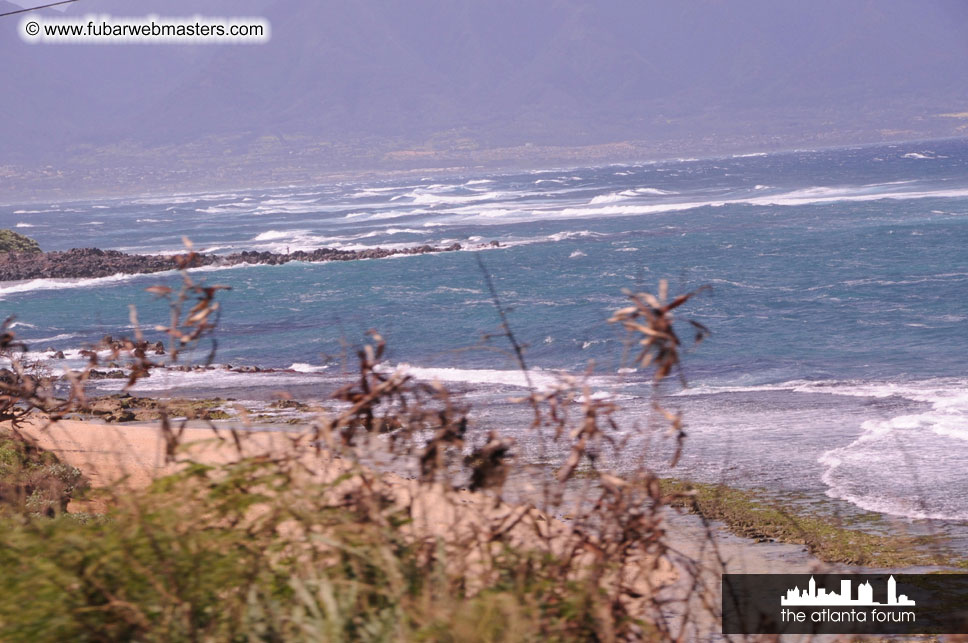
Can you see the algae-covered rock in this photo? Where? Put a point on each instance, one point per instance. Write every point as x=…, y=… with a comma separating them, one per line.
x=11, y=241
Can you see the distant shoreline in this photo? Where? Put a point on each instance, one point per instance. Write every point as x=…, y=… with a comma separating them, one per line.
x=85, y=263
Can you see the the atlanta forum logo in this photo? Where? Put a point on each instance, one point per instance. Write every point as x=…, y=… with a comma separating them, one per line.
x=813, y=597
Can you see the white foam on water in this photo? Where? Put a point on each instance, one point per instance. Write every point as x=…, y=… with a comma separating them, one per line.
x=24, y=225
x=388, y=231
x=572, y=234
x=625, y=210
x=74, y=356
x=515, y=378
x=235, y=266
x=576, y=254
x=652, y=191
x=432, y=199
x=442, y=289
x=924, y=155
x=610, y=198
x=910, y=465
x=283, y=241
x=54, y=338
x=391, y=214
x=271, y=235
x=301, y=367
x=931, y=390
x=290, y=206
x=817, y=195
x=175, y=199
x=369, y=193
x=807, y=196
x=35, y=285
x=161, y=379
x=228, y=208
x=624, y=204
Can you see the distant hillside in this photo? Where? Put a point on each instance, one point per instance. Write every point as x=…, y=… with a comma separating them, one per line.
x=345, y=85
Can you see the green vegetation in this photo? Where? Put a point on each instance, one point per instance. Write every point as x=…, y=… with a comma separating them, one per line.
x=753, y=514
x=11, y=241
x=296, y=538
x=34, y=481
x=252, y=551
x=291, y=536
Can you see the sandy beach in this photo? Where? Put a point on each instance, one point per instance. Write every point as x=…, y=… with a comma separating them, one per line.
x=132, y=455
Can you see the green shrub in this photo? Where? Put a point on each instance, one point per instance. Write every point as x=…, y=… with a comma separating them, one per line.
x=11, y=241
x=33, y=480
x=244, y=553
x=264, y=549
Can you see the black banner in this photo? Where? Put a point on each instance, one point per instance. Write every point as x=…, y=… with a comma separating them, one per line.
x=845, y=604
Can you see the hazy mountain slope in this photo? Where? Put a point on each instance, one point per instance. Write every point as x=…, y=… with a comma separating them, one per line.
x=389, y=74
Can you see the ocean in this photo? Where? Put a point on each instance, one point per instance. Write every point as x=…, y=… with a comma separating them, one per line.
x=836, y=367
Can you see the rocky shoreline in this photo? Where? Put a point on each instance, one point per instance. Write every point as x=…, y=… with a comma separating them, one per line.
x=83, y=263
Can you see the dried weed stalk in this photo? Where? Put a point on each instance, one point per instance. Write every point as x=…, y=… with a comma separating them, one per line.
x=351, y=542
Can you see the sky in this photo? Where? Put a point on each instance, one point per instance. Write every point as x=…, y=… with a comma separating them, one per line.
x=393, y=83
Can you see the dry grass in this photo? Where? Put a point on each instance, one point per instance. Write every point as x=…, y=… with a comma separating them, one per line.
x=307, y=541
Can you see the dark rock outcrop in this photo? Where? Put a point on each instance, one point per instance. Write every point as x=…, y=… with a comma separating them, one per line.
x=93, y=262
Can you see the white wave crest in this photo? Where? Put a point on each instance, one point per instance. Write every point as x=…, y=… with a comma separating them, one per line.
x=54, y=338
x=272, y=235
x=573, y=234
x=35, y=285
x=301, y=367
x=918, y=448
x=652, y=191
x=538, y=378
x=609, y=198
x=925, y=155
x=162, y=380
x=421, y=197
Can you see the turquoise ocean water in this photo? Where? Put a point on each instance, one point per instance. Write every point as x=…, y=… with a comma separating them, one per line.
x=839, y=308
